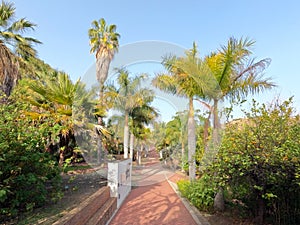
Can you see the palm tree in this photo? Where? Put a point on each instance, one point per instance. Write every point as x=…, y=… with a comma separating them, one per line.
x=159, y=135
x=128, y=96
x=190, y=77
x=104, y=42
x=53, y=97
x=143, y=135
x=176, y=132
x=116, y=123
x=237, y=75
x=13, y=46
x=141, y=116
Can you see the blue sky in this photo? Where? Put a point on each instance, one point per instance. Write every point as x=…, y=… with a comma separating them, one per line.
x=275, y=25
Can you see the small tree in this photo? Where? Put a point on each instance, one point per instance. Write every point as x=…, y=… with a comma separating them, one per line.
x=259, y=160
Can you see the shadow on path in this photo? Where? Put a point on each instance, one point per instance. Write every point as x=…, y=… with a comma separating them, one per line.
x=155, y=204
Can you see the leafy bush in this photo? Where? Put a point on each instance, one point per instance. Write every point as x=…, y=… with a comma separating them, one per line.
x=199, y=192
x=259, y=161
x=29, y=176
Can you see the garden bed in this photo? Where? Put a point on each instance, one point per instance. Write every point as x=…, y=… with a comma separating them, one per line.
x=77, y=184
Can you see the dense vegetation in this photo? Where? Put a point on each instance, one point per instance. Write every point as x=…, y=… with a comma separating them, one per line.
x=37, y=128
x=29, y=176
x=257, y=166
x=48, y=121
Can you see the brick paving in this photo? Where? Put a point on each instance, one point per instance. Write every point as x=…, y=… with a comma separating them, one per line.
x=154, y=204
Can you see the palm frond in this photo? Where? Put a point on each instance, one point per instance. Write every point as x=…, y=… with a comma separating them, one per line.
x=103, y=130
x=252, y=68
x=165, y=83
x=104, y=42
x=7, y=12
x=21, y=25
x=252, y=84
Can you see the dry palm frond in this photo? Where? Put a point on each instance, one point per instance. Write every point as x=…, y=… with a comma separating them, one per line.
x=104, y=57
x=9, y=70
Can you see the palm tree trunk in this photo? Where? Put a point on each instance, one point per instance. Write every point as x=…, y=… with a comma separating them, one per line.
x=131, y=145
x=140, y=155
x=216, y=123
x=191, y=141
x=9, y=70
x=103, y=59
x=99, y=142
x=219, y=202
x=182, y=155
x=205, y=131
x=100, y=122
x=126, y=135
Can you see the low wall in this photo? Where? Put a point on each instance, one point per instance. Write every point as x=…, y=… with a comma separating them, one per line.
x=97, y=209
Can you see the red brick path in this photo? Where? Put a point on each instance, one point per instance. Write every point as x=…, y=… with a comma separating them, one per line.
x=156, y=204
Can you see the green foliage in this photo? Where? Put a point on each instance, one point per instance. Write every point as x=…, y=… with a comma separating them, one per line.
x=199, y=192
x=259, y=162
x=29, y=176
x=130, y=98
x=54, y=97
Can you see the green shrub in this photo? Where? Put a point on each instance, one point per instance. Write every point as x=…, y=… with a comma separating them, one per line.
x=183, y=187
x=29, y=176
x=259, y=162
x=199, y=192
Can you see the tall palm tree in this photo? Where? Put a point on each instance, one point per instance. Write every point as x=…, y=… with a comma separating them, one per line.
x=190, y=77
x=104, y=42
x=237, y=75
x=14, y=47
x=128, y=96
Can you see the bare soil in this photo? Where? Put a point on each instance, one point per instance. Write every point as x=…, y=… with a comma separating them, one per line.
x=77, y=186
x=223, y=219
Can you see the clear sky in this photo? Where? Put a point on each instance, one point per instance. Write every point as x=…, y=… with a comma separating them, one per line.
x=275, y=25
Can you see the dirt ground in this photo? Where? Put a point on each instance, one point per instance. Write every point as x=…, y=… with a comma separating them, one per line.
x=223, y=219
x=76, y=186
